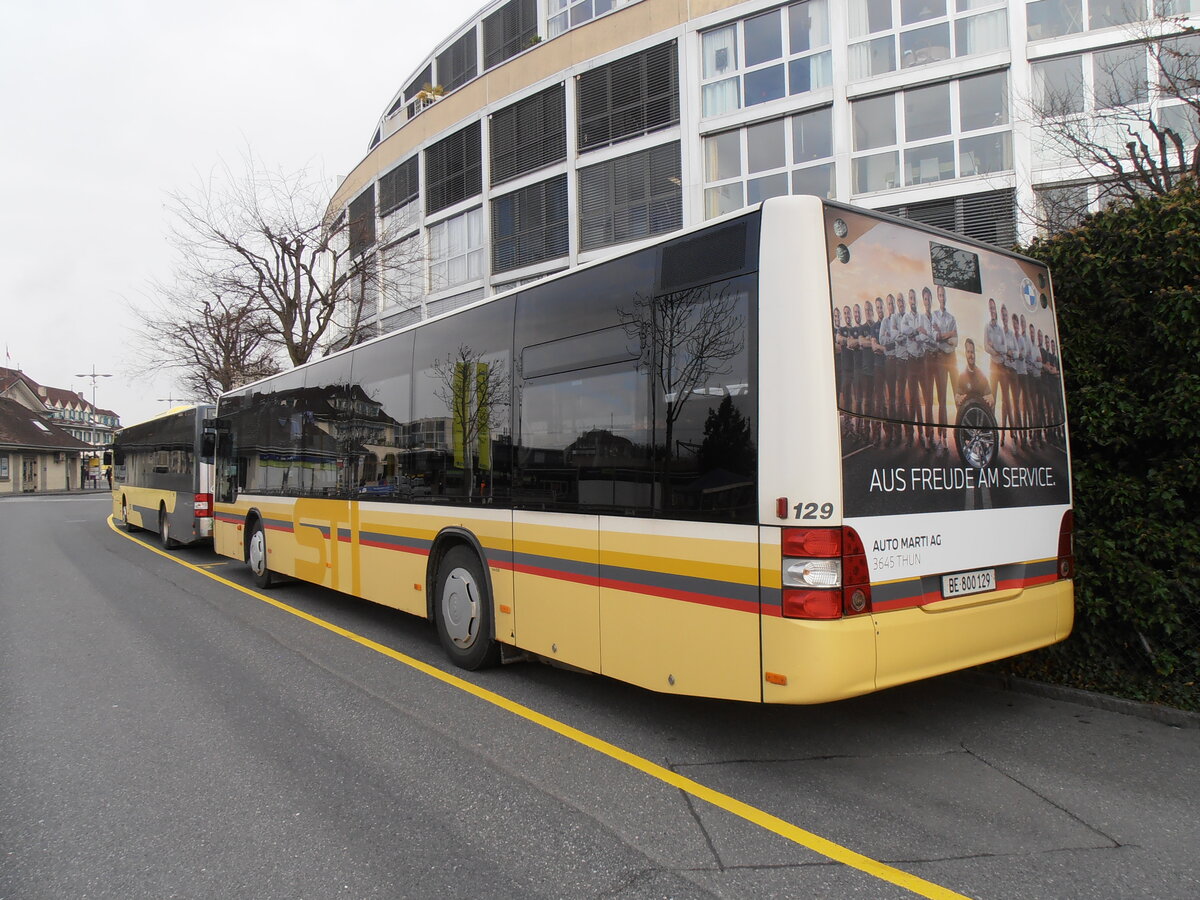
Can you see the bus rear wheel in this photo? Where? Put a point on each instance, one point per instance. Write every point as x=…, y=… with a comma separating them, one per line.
x=462, y=611
x=125, y=523
x=164, y=529
x=256, y=556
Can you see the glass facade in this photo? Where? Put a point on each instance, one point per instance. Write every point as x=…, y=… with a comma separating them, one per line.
x=858, y=99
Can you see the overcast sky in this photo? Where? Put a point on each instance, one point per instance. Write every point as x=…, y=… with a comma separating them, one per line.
x=108, y=106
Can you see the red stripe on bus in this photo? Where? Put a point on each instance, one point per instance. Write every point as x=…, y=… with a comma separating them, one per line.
x=419, y=551
x=646, y=590
x=685, y=596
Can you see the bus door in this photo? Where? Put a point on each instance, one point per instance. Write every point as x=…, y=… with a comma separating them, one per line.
x=319, y=445
x=556, y=531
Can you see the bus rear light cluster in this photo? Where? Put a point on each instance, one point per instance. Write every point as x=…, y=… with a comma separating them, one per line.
x=203, y=505
x=1066, y=545
x=825, y=573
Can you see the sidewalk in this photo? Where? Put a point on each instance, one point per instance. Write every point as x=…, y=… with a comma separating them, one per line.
x=88, y=492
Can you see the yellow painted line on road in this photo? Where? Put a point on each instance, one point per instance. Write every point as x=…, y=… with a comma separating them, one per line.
x=765, y=820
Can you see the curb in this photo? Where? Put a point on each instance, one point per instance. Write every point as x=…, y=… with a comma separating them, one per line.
x=73, y=492
x=1166, y=715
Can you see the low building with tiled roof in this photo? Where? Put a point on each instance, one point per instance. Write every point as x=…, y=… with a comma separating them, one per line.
x=67, y=409
x=35, y=454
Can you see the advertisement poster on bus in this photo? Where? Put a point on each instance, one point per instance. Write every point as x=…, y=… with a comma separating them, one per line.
x=947, y=365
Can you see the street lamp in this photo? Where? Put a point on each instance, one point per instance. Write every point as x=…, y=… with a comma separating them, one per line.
x=92, y=416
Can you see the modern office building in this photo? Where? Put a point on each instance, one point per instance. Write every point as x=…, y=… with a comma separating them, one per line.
x=541, y=134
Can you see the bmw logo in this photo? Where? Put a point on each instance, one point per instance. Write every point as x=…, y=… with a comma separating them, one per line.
x=1029, y=292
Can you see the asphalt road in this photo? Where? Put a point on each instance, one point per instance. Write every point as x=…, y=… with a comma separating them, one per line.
x=166, y=735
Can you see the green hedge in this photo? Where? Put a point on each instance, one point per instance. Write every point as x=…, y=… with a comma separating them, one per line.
x=1126, y=289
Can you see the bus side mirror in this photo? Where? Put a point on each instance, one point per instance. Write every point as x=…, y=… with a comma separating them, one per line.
x=208, y=445
x=108, y=457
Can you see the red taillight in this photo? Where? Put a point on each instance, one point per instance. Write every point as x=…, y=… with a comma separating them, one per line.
x=1066, y=545
x=823, y=543
x=825, y=595
x=203, y=505
x=817, y=603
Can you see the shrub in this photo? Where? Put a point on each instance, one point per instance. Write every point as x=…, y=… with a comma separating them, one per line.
x=1129, y=319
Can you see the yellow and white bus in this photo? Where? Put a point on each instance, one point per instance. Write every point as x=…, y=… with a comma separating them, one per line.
x=162, y=476
x=699, y=467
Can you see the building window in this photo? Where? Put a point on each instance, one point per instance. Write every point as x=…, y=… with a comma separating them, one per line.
x=1054, y=18
x=990, y=217
x=769, y=159
x=765, y=57
x=530, y=134
x=398, y=187
x=530, y=225
x=4, y=476
x=403, y=273
x=562, y=15
x=629, y=97
x=1181, y=118
x=508, y=31
x=456, y=251
x=362, y=222
x=1061, y=207
x=932, y=133
x=890, y=34
x=453, y=169
x=631, y=197
x=458, y=63
x=422, y=82
x=1112, y=79
x=1119, y=77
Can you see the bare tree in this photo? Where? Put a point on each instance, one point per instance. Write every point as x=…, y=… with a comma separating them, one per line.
x=210, y=344
x=268, y=242
x=1137, y=132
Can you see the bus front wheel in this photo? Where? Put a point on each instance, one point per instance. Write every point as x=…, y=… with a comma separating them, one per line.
x=256, y=556
x=462, y=611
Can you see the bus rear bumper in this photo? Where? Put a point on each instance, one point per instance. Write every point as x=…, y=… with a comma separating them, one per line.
x=931, y=640
x=817, y=662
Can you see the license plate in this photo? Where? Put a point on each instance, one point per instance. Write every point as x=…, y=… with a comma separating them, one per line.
x=962, y=584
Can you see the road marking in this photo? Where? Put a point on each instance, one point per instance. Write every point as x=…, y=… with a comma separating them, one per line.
x=752, y=814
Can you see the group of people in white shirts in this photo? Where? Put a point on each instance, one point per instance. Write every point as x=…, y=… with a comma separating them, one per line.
x=1025, y=375
x=897, y=365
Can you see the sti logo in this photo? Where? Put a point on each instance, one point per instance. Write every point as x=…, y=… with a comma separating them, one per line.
x=1029, y=292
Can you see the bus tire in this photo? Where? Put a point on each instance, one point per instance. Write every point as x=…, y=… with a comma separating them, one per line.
x=256, y=556
x=125, y=523
x=462, y=611
x=164, y=529
x=976, y=435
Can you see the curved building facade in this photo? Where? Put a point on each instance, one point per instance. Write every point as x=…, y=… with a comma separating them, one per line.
x=544, y=133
